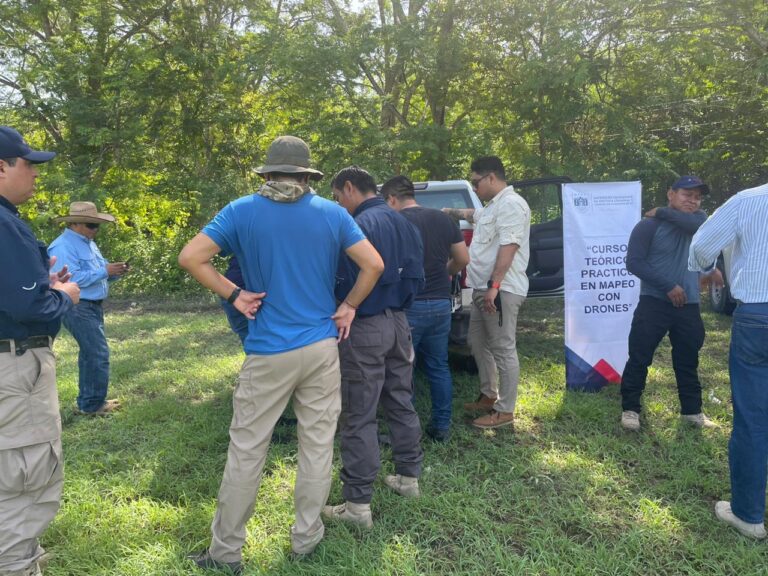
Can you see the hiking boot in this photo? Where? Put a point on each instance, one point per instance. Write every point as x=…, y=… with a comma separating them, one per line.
x=359, y=514
x=204, y=561
x=699, y=420
x=630, y=420
x=404, y=485
x=495, y=420
x=483, y=403
x=725, y=514
x=107, y=408
x=438, y=434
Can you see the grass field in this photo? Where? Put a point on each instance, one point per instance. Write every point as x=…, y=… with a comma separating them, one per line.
x=568, y=493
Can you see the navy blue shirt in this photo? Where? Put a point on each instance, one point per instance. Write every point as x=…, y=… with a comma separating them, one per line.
x=234, y=273
x=657, y=253
x=28, y=306
x=399, y=244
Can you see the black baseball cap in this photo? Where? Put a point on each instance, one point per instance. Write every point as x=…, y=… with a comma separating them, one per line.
x=12, y=145
x=690, y=182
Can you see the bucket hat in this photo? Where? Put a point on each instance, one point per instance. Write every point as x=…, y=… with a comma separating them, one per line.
x=290, y=155
x=85, y=212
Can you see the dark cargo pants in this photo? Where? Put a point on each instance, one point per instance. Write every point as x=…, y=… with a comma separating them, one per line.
x=376, y=368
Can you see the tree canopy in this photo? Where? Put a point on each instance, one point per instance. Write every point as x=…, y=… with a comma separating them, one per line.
x=160, y=109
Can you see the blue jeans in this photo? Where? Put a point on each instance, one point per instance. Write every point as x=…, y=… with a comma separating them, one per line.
x=748, y=447
x=86, y=324
x=430, y=322
x=237, y=320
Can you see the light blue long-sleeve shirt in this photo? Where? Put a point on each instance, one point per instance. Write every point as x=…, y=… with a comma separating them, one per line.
x=742, y=222
x=85, y=262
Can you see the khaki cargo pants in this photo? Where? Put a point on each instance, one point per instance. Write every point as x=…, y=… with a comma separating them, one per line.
x=495, y=348
x=31, y=477
x=311, y=375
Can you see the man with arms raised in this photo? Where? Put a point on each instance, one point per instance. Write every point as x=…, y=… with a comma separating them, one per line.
x=288, y=243
x=32, y=304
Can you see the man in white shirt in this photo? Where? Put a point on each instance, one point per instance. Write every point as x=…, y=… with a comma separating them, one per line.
x=498, y=258
x=742, y=224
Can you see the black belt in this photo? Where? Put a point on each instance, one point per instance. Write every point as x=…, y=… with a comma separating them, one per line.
x=97, y=302
x=21, y=346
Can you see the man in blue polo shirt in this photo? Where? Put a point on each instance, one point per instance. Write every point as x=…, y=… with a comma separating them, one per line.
x=32, y=304
x=288, y=243
x=377, y=360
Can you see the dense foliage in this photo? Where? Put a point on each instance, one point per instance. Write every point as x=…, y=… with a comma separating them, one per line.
x=161, y=108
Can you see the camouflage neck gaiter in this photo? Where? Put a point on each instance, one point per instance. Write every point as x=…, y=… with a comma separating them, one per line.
x=282, y=191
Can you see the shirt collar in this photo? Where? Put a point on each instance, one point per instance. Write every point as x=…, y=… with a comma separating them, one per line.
x=75, y=235
x=503, y=192
x=368, y=203
x=5, y=203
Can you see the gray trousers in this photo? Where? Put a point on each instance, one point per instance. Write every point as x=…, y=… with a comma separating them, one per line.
x=495, y=348
x=376, y=368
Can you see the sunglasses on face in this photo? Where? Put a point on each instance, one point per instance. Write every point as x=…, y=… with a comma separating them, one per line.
x=476, y=182
x=92, y=226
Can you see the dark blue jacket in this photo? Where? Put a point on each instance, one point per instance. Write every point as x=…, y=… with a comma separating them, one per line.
x=399, y=244
x=28, y=306
x=657, y=253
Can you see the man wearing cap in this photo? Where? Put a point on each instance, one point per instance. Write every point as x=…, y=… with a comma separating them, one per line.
x=287, y=241
x=657, y=253
x=377, y=360
x=32, y=304
x=76, y=249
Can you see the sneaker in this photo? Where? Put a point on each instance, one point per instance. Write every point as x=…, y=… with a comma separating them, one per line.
x=725, y=514
x=699, y=420
x=204, y=561
x=483, y=403
x=630, y=420
x=359, y=514
x=107, y=408
x=404, y=485
x=438, y=434
x=495, y=420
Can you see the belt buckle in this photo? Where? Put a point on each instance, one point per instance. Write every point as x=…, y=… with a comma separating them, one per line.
x=21, y=347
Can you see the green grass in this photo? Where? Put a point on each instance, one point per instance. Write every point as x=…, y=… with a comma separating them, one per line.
x=569, y=493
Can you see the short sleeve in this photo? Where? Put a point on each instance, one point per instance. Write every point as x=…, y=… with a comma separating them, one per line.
x=222, y=230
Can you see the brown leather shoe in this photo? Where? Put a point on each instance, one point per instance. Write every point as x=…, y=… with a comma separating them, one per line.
x=495, y=420
x=107, y=408
x=482, y=404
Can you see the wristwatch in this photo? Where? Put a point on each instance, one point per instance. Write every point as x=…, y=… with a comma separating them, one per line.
x=234, y=295
x=492, y=284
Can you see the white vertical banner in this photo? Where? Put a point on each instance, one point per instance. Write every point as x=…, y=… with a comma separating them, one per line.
x=600, y=294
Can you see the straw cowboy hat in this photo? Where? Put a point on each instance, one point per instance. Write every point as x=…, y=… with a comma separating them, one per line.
x=86, y=213
x=290, y=155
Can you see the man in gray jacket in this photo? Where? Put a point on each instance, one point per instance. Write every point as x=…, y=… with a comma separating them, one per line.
x=669, y=301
